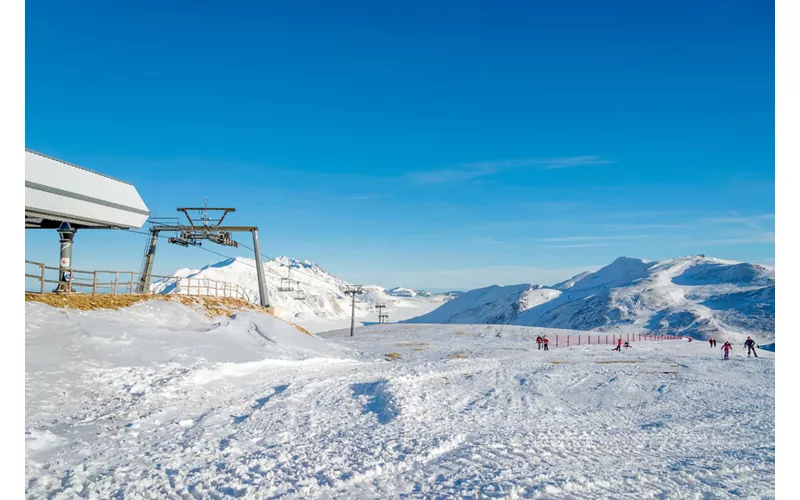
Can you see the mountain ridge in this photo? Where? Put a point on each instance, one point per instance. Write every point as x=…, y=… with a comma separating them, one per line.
x=694, y=295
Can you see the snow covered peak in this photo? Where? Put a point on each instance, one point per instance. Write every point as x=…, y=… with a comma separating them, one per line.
x=692, y=295
x=324, y=295
x=623, y=271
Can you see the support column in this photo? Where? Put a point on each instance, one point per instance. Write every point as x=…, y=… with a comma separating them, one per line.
x=262, y=286
x=147, y=267
x=66, y=234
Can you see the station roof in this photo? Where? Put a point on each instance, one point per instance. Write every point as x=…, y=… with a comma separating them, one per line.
x=57, y=191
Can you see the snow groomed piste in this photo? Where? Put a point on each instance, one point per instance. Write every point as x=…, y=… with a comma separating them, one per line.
x=159, y=401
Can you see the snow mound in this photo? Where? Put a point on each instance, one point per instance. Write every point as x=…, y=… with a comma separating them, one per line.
x=158, y=331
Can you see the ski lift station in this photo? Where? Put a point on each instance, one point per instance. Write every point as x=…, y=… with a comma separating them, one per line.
x=57, y=192
x=66, y=197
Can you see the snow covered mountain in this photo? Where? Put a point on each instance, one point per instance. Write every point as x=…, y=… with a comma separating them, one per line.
x=325, y=305
x=697, y=295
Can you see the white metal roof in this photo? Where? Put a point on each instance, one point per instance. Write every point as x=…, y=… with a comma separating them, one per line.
x=56, y=191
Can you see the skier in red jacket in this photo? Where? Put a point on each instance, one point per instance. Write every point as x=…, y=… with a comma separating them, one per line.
x=726, y=348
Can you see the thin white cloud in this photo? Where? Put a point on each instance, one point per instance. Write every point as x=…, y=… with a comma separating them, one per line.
x=759, y=238
x=359, y=197
x=633, y=227
x=583, y=245
x=596, y=238
x=471, y=171
x=750, y=221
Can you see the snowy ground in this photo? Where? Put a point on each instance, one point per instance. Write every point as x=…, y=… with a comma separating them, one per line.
x=157, y=401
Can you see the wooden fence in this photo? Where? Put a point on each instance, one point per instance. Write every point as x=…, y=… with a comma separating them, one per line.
x=41, y=278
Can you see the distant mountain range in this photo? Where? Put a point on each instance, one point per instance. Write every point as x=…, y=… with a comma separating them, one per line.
x=697, y=295
x=324, y=293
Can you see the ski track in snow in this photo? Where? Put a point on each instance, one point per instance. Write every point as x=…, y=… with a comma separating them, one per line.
x=458, y=411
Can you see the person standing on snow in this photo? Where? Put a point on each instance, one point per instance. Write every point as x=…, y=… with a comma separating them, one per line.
x=715, y=342
x=539, y=342
x=545, y=341
x=751, y=346
x=619, y=345
x=710, y=342
x=726, y=348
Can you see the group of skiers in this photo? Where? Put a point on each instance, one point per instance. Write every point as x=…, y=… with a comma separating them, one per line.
x=750, y=344
x=542, y=341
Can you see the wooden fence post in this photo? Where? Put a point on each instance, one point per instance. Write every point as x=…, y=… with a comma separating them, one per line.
x=94, y=284
x=116, y=281
x=567, y=340
x=556, y=340
x=41, y=287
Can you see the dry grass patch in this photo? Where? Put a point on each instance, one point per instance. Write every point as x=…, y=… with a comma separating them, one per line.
x=558, y=362
x=419, y=349
x=616, y=361
x=212, y=306
x=392, y=355
x=458, y=355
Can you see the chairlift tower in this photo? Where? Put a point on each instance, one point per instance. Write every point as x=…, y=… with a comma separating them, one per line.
x=380, y=312
x=353, y=290
x=193, y=234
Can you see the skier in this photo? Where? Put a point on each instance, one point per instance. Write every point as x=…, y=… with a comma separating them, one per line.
x=751, y=346
x=619, y=345
x=539, y=342
x=715, y=342
x=627, y=344
x=726, y=348
x=710, y=342
x=545, y=341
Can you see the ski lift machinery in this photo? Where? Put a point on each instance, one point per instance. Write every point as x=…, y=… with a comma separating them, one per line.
x=193, y=233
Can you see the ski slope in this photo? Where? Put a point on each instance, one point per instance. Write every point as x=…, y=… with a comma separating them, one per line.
x=697, y=295
x=159, y=401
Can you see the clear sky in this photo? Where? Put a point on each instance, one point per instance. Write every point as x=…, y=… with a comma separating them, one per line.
x=422, y=144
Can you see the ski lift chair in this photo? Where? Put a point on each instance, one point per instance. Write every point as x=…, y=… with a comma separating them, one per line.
x=286, y=285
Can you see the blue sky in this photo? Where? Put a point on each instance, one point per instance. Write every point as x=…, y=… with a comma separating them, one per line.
x=424, y=144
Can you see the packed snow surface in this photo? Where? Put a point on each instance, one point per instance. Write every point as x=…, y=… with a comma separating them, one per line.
x=698, y=296
x=325, y=305
x=158, y=401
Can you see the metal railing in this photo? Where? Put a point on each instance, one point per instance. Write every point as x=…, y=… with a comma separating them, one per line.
x=606, y=338
x=126, y=283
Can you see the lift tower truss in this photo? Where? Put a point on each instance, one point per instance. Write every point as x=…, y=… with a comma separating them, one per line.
x=193, y=233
